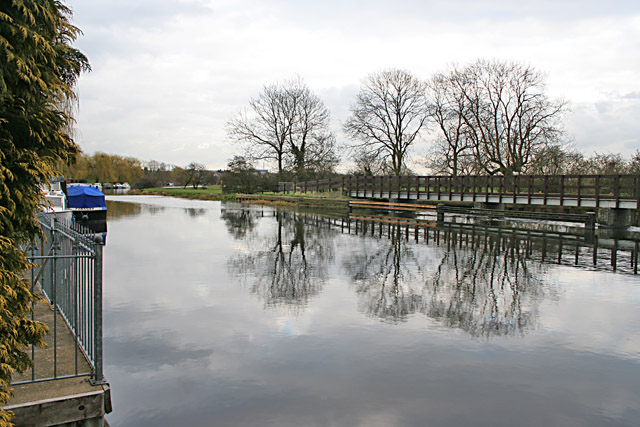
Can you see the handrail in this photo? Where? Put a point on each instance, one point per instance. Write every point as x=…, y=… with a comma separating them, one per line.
x=614, y=189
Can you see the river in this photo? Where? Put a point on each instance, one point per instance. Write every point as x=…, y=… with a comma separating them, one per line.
x=228, y=315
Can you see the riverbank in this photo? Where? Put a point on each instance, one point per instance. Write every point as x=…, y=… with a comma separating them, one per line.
x=336, y=201
x=213, y=192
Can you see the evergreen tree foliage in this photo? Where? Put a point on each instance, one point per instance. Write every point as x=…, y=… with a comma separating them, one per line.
x=38, y=72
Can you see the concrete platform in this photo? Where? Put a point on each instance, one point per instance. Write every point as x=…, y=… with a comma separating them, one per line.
x=60, y=402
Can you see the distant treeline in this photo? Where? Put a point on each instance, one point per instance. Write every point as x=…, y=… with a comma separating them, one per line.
x=241, y=174
x=102, y=167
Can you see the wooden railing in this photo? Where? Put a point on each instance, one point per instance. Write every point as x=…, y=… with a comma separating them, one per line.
x=581, y=190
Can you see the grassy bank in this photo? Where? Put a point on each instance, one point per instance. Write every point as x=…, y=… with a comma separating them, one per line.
x=212, y=192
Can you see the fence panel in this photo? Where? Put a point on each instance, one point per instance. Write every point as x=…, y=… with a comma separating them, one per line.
x=67, y=273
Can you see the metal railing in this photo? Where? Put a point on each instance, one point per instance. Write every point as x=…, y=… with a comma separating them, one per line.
x=67, y=272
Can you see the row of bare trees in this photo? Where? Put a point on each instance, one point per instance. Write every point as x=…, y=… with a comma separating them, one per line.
x=493, y=117
x=488, y=117
x=558, y=160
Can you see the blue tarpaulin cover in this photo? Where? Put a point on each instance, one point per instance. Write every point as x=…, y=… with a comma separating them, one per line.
x=85, y=197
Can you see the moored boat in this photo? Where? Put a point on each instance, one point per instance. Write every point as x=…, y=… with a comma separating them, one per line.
x=88, y=206
x=56, y=201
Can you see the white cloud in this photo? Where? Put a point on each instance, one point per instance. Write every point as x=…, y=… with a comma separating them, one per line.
x=609, y=124
x=167, y=75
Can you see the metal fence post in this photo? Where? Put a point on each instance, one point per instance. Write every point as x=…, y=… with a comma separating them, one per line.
x=97, y=311
x=55, y=245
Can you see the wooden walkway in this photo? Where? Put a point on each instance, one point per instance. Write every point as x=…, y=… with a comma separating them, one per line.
x=594, y=191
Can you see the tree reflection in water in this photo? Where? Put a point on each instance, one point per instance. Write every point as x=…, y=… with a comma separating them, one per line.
x=119, y=210
x=482, y=281
x=240, y=222
x=485, y=287
x=195, y=212
x=488, y=287
x=386, y=287
x=286, y=267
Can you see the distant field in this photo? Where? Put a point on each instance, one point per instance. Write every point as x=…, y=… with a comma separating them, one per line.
x=211, y=192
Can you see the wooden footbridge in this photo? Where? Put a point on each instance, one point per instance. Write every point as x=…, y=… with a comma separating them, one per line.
x=594, y=191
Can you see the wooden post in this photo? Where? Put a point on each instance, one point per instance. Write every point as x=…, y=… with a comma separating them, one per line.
x=486, y=193
x=474, y=179
x=636, y=190
x=546, y=188
x=579, y=188
x=590, y=224
x=439, y=213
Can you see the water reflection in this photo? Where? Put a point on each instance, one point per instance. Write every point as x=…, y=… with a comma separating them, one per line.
x=195, y=213
x=484, y=281
x=119, y=210
x=120, y=207
x=240, y=222
x=285, y=266
x=346, y=340
x=487, y=287
x=478, y=287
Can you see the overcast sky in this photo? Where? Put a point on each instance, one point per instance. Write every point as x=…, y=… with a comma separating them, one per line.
x=168, y=74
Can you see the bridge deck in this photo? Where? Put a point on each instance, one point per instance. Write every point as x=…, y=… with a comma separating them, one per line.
x=519, y=199
x=593, y=191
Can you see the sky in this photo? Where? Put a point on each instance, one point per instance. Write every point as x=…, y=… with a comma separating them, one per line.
x=167, y=75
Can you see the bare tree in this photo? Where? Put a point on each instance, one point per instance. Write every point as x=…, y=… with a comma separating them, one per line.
x=287, y=124
x=634, y=163
x=264, y=126
x=555, y=159
x=368, y=164
x=389, y=112
x=310, y=141
x=320, y=159
x=194, y=173
x=507, y=116
x=452, y=151
x=605, y=164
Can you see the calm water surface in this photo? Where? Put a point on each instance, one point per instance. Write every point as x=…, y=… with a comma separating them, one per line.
x=217, y=314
